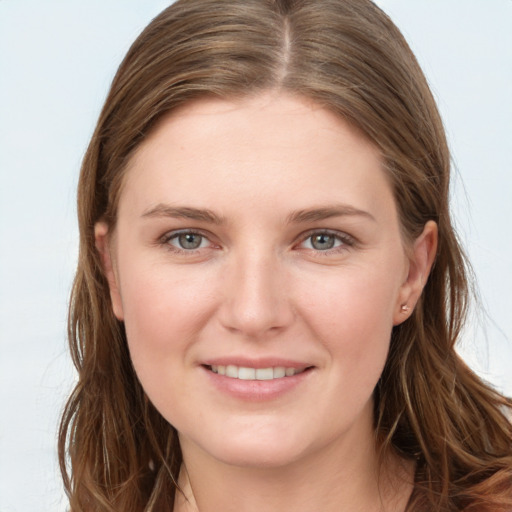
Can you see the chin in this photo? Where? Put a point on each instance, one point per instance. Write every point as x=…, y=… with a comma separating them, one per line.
x=259, y=457
x=261, y=449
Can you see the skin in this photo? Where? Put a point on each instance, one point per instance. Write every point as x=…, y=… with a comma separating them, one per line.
x=259, y=287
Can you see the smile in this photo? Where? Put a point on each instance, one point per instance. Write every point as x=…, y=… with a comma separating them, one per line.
x=246, y=373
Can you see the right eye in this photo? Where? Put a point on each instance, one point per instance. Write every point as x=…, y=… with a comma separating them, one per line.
x=186, y=241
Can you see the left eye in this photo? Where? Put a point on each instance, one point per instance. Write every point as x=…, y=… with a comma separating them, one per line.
x=188, y=241
x=322, y=241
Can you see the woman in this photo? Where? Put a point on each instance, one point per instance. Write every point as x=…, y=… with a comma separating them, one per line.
x=269, y=288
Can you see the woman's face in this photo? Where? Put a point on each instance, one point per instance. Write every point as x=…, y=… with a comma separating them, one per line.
x=259, y=269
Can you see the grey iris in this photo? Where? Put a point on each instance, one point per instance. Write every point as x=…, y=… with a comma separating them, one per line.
x=322, y=242
x=190, y=240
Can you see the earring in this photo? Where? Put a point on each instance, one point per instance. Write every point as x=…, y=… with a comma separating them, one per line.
x=404, y=308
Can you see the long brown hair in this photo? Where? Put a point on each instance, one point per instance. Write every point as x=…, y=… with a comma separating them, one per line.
x=116, y=450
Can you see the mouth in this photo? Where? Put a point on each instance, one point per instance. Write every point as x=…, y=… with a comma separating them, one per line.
x=246, y=373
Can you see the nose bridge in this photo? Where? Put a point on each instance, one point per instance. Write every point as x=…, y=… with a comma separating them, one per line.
x=256, y=301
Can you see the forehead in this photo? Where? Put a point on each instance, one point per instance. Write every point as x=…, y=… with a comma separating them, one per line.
x=255, y=151
x=254, y=119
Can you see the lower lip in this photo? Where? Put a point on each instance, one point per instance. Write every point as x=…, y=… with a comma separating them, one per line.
x=256, y=390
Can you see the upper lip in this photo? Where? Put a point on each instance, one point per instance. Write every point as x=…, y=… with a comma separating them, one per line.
x=260, y=362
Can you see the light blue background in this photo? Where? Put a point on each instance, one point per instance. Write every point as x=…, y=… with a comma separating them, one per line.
x=57, y=59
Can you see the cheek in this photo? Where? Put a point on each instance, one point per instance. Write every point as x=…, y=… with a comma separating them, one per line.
x=357, y=299
x=164, y=314
x=163, y=310
x=352, y=316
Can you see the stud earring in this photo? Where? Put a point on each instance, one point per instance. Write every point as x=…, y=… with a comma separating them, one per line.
x=404, y=308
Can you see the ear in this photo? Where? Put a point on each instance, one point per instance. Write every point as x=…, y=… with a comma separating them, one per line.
x=102, y=245
x=421, y=260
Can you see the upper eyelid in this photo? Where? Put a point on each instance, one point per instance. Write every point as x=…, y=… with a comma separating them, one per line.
x=342, y=235
x=176, y=232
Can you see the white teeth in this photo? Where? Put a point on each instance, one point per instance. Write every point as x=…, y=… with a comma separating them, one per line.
x=279, y=371
x=232, y=371
x=245, y=373
x=264, y=374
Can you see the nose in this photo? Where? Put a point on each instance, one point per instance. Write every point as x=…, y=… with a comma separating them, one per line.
x=256, y=303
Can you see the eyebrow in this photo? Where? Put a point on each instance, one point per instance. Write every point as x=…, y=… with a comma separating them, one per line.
x=297, y=217
x=183, y=212
x=327, y=212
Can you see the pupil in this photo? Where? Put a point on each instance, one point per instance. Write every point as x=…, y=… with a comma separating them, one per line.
x=322, y=242
x=190, y=241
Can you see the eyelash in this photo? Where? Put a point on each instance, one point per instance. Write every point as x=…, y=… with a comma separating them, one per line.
x=166, y=239
x=345, y=241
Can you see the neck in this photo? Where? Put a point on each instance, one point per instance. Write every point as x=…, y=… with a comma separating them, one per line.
x=341, y=477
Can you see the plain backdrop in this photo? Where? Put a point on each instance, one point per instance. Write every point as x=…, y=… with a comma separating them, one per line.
x=57, y=59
